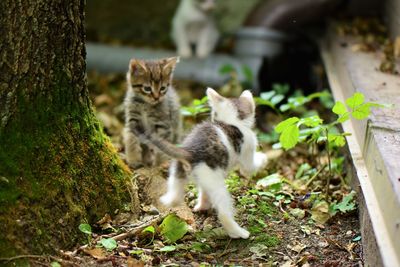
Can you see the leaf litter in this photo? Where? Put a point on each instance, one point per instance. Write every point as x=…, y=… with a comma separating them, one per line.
x=283, y=207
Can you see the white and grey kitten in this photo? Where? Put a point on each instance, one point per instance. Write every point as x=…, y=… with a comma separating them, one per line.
x=193, y=24
x=209, y=152
x=151, y=101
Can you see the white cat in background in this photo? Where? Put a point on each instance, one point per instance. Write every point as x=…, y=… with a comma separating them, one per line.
x=193, y=24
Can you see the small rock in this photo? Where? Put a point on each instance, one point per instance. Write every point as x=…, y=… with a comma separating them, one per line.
x=286, y=258
x=153, y=211
x=323, y=244
x=349, y=233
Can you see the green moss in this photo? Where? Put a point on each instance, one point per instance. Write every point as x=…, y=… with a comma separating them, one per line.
x=60, y=169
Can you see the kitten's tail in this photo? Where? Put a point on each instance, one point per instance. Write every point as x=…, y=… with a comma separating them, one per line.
x=166, y=147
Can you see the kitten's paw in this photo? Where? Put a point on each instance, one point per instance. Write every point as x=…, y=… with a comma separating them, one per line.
x=239, y=232
x=201, y=207
x=260, y=160
x=202, y=54
x=169, y=200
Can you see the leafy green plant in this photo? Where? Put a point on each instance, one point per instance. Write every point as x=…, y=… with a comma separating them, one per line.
x=274, y=98
x=151, y=230
x=347, y=204
x=294, y=130
x=86, y=229
x=295, y=102
x=234, y=72
x=173, y=228
x=197, y=107
x=168, y=248
x=108, y=243
x=312, y=130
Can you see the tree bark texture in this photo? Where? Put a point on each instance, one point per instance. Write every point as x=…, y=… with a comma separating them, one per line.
x=57, y=168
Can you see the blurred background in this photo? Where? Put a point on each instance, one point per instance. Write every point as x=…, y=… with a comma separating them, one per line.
x=264, y=45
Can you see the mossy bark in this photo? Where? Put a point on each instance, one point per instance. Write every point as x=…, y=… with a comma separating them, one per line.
x=57, y=168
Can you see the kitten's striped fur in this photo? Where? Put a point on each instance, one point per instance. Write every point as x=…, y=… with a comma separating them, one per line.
x=150, y=101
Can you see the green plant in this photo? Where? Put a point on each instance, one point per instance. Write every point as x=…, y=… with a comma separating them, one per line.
x=108, y=243
x=312, y=130
x=86, y=229
x=197, y=107
x=347, y=204
x=173, y=228
x=274, y=98
x=242, y=71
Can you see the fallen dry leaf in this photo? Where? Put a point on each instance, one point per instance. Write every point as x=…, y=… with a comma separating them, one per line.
x=135, y=263
x=97, y=253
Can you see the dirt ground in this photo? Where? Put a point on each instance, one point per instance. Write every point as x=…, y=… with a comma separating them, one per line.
x=279, y=236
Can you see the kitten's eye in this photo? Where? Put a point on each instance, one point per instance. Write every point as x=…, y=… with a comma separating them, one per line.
x=146, y=89
x=163, y=89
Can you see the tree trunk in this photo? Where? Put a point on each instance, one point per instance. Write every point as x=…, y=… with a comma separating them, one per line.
x=57, y=168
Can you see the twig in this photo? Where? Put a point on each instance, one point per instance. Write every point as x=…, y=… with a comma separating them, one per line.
x=122, y=236
x=226, y=247
x=315, y=175
x=138, y=229
x=23, y=257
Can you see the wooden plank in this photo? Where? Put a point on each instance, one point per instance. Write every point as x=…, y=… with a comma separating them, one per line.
x=374, y=146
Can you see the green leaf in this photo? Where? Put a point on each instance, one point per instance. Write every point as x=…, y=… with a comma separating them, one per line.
x=289, y=137
x=267, y=95
x=264, y=102
x=149, y=229
x=226, y=69
x=200, y=247
x=284, y=107
x=339, y=108
x=343, y=118
x=312, y=121
x=55, y=264
x=355, y=100
x=273, y=180
x=85, y=228
x=136, y=252
x=108, y=243
x=281, y=88
x=302, y=169
x=286, y=123
x=277, y=98
x=167, y=248
x=337, y=139
x=248, y=73
x=361, y=112
x=173, y=228
x=347, y=203
x=215, y=233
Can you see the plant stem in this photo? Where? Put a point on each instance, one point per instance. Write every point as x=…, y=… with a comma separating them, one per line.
x=329, y=164
x=315, y=175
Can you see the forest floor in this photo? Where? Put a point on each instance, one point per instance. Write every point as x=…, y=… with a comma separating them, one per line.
x=283, y=207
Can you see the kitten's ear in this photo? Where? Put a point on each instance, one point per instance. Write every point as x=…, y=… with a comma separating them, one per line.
x=169, y=65
x=246, y=94
x=137, y=67
x=213, y=96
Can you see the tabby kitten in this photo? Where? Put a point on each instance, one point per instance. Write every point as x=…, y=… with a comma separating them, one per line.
x=150, y=101
x=209, y=152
